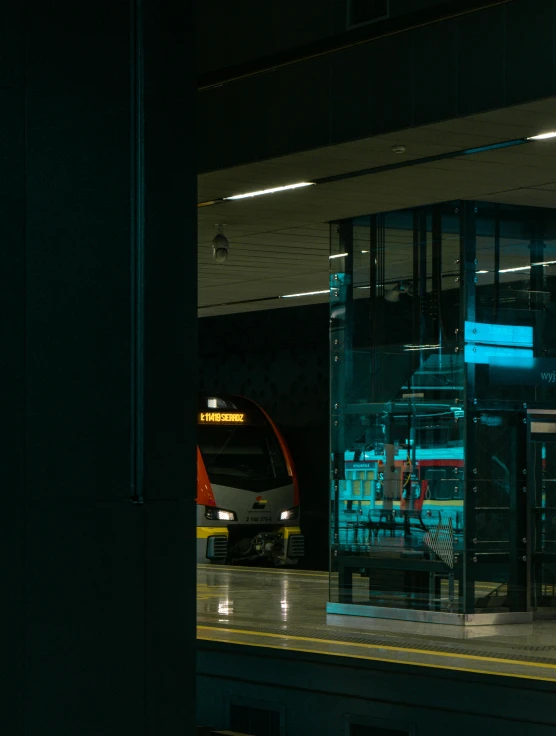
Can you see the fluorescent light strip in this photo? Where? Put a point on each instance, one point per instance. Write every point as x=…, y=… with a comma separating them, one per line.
x=513, y=270
x=526, y=268
x=306, y=293
x=271, y=191
x=522, y=268
x=542, y=136
x=338, y=255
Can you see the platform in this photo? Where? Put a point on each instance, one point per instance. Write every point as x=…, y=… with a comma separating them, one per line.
x=286, y=610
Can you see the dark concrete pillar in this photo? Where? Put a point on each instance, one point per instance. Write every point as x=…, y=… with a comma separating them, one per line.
x=97, y=367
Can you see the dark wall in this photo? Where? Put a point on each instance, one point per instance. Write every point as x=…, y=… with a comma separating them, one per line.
x=279, y=358
x=262, y=29
x=319, y=694
x=98, y=605
x=497, y=57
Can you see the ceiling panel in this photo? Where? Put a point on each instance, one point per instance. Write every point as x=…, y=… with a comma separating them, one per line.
x=279, y=243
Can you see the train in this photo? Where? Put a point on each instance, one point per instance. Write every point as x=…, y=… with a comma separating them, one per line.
x=248, y=506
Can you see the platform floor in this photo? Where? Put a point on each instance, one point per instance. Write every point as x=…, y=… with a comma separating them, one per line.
x=286, y=609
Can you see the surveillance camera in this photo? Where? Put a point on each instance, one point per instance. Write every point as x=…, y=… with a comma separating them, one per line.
x=220, y=245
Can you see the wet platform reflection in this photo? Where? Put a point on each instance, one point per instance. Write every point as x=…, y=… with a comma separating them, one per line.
x=286, y=609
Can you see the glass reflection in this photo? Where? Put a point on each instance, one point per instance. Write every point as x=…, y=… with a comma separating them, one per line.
x=443, y=340
x=284, y=599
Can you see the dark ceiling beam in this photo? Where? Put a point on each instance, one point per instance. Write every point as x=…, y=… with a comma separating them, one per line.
x=345, y=40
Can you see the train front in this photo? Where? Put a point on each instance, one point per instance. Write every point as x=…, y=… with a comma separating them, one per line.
x=247, y=492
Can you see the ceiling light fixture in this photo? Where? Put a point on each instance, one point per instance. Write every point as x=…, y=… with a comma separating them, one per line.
x=338, y=255
x=482, y=272
x=274, y=190
x=305, y=293
x=513, y=270
x=220, y=245
x=542, y=136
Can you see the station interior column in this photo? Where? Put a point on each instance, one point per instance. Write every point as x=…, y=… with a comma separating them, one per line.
x=98, y=282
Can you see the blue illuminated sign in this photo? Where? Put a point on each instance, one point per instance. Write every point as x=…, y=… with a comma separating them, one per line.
x=519, y=336
x=486, y=354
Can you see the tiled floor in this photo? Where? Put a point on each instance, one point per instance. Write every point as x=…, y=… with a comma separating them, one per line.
x=286, y=609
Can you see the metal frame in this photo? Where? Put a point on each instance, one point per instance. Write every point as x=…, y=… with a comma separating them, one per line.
x=467, y=214
x=341, y=328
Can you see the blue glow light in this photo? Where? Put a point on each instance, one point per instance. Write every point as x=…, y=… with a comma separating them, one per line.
x=508, y=335
x=506, y=356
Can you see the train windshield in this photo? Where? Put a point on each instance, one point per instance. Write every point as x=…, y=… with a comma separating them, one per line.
x=249, y=452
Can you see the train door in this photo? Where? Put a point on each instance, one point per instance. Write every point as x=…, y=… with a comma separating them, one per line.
x=542, y=486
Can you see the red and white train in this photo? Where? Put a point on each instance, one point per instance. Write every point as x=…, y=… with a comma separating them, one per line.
x=247, y=489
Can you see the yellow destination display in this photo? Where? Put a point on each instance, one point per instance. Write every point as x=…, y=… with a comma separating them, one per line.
x=221, y=417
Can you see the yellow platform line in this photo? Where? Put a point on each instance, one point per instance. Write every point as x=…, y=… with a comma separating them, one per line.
x=408, y=650
x=263, y=570
x=391, y=660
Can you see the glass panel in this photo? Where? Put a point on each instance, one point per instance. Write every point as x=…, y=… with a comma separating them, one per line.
x=543, y=467
x=496, y=514
x=397, y=398
x=514, y=353
x=443, y=337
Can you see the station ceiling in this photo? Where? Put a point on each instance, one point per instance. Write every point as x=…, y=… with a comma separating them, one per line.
x=279, y=243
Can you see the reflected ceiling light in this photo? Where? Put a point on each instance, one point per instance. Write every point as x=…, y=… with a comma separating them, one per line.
x=513, y=270
x=274, y=190
x=517, y=268
x=339, y=255
x=482, y=271
x=364, y=251
x=409, y=348
x=305, y=293
x=545, y=264
x=542, y=136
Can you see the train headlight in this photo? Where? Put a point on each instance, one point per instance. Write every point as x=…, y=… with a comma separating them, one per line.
x=289, y=514
x=213, y=514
